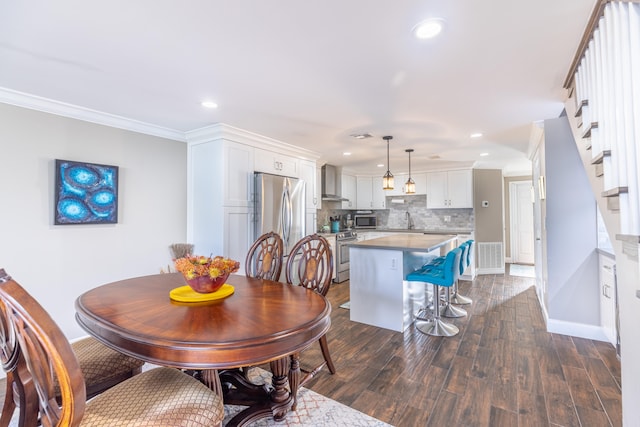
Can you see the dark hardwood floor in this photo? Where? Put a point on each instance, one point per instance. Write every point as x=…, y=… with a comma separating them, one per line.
x=502, y=369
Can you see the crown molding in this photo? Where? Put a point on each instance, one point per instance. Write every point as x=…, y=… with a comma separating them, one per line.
x=227, y=132
x=33, y=102
x=196, y=136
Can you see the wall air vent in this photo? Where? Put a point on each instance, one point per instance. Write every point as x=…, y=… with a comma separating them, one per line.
x=490, y=258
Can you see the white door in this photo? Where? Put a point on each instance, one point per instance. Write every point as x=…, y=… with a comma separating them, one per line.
x=522, y=237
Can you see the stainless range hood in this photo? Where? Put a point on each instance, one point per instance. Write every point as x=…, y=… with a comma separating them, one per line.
x=332, y=184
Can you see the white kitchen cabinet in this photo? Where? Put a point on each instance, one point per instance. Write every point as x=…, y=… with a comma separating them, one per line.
x=276, y=163
x=364, y=192
x=349, y=191
x=608, y=306
x=311, y=222
x=450, y=189
x=220, y=171
x=379, y=195
x=369, y=193
x=220, y=198
x=237, y=227
x=308, y=175
x=421, y=183
x=238, y=174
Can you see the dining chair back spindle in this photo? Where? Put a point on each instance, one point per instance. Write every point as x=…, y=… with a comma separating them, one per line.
x=54, y=385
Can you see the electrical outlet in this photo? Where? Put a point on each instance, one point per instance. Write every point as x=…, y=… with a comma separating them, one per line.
x=394, y=264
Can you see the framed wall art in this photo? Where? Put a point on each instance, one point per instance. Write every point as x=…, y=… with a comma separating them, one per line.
x=85, y=193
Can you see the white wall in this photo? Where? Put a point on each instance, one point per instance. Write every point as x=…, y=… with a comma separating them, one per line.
x=571, y=234
x=57, y=263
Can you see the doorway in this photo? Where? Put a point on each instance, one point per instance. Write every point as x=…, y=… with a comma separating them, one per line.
x=521, y=232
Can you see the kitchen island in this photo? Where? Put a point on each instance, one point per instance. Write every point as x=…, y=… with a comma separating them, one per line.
x=380, y=295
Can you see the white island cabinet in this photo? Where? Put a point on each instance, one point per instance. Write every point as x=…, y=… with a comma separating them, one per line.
x=380, y=295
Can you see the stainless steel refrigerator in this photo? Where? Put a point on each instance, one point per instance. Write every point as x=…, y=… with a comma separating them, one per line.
x=279, y=207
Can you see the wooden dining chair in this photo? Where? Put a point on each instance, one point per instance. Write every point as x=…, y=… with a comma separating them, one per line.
x=101, y=367
x=264, y=259
x=310, y=264
x=158, y=397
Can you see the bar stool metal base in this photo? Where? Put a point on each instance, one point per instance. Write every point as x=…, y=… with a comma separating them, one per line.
x=460, y=299
x=453, y=311
x=437, y=328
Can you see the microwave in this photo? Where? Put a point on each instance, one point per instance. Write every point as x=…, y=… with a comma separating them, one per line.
x=365, y=221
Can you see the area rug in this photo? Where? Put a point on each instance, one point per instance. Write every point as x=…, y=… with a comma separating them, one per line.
x=522, y=270
x=313, y=410
x=346, y=305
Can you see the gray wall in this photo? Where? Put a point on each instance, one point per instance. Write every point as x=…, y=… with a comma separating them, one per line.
x=487, y=186
x=571, y=230
x=58, y=263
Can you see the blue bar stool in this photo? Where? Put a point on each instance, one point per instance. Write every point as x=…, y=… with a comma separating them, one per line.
x=465, y=261
x=445, y=277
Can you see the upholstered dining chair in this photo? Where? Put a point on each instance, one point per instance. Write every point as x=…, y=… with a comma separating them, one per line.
x=264, y=259
x=310, y=264
x=45, y=361
x=101, y=367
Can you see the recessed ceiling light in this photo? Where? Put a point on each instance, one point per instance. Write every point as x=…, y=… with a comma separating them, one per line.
x=484, y=154
x=361, y=135
x=428, y=29
x=346, y=153
x=475, y=135
x=209, y=104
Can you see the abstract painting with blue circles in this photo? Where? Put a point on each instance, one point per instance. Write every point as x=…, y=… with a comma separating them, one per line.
x=86, y=193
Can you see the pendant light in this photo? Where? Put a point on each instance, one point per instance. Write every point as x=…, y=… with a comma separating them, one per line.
x=410, y=185
x=387, y=179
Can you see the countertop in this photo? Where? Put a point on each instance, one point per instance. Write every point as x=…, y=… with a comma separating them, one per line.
x=403, y=230
x=413, y=242
x=422, y=230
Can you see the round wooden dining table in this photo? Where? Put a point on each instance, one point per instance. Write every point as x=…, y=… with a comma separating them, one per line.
x=261, y=322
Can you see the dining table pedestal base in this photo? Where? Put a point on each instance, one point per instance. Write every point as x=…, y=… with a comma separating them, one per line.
x=262, y=400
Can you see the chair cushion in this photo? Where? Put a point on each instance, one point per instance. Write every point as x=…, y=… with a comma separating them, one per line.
x=430, y=275
x=100, y=363
x=158, y=397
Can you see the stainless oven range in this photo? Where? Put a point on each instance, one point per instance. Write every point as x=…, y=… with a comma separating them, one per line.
x=342, y=254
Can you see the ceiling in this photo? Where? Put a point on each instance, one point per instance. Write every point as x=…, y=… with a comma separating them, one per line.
x=309, y=73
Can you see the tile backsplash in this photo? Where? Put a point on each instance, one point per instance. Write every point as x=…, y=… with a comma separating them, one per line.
x=396, y=215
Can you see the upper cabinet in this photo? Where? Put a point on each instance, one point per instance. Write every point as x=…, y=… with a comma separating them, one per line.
x=349, y=191
x=369, y=193
x=238, y=177
x=308, y=175
x=399, y=180
x=276, y=163
x=450, y=189
x=378, y=201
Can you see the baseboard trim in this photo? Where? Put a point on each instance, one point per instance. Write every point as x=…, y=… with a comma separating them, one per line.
x=490, y=271
x=580, y=330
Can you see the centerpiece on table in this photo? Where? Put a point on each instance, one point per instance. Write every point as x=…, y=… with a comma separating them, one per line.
x=206, y=274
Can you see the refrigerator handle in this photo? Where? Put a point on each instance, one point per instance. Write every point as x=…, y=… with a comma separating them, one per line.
x=285, y=217
x=288, y=215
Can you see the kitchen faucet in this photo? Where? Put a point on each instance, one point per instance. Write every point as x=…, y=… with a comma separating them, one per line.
x=410, y=224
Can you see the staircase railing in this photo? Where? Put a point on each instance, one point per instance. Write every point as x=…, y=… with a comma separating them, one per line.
x=604, y=91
